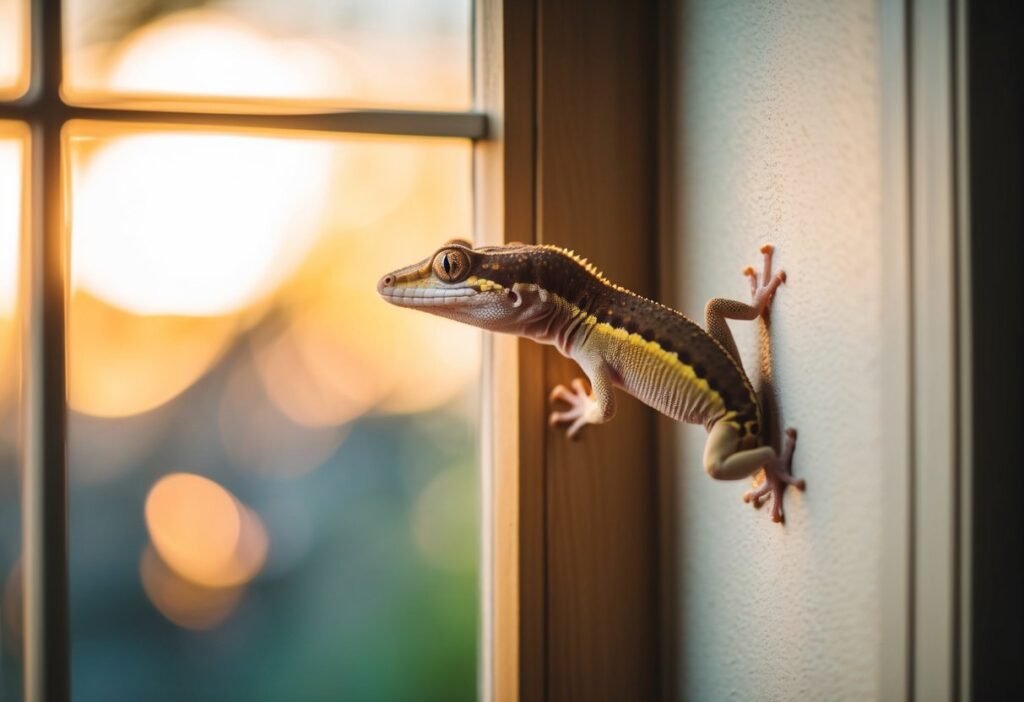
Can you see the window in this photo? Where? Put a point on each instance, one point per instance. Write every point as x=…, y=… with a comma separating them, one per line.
x=13, y=140
x=271, y=476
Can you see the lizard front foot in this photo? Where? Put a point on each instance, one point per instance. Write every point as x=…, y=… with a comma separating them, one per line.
x=763, y=292
x=777, y=475
x=583, y=408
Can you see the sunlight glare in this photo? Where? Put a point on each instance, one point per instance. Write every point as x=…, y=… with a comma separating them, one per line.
x=209, y=53
x=194, y=224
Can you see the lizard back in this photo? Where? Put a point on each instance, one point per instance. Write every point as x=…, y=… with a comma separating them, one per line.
x=659, y=356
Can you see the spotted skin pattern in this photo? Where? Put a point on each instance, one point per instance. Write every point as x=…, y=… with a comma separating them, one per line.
x=619, y=339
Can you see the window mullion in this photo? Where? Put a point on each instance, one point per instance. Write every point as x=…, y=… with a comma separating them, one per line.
x=45, y=512
x=44, y=442
x=465, y=125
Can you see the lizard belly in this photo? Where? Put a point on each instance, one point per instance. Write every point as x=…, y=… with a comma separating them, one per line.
x=660, y=380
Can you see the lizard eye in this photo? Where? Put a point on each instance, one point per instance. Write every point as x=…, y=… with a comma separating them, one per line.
x=451, y=265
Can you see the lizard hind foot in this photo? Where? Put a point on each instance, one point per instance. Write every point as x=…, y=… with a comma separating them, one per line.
x=583, y=408
x=778, y=475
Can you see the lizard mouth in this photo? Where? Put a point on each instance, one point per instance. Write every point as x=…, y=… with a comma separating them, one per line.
x=425, y=297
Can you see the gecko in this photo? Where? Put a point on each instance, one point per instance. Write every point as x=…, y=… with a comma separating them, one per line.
x=619, y=339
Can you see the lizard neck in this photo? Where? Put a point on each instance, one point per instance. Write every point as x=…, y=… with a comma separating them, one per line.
x=560, y=325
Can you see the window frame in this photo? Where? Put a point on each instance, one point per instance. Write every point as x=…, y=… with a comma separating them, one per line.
x=568, y=611
x=43, y=294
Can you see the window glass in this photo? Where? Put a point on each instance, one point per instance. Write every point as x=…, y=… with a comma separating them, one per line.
x=13, y=48
x=273, y=472
x=12, y=149
x=233, y=54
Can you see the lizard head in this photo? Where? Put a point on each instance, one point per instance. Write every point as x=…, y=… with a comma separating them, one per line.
x=482, y=287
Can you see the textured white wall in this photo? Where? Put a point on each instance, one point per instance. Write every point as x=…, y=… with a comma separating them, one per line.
x=778, y=140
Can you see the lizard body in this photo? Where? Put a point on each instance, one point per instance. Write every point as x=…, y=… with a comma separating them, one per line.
x=619, y=339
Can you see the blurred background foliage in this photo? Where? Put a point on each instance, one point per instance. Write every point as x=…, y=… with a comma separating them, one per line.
x=274, y=475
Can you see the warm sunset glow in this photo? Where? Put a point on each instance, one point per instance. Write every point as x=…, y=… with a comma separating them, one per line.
x=193, y=224
x=209, y=53
x=344, y=351
x=203, y=533
x=13, y=63
x=168, y=272
x=10, y=229
x=10, y=221
x=241, y=56
x=187, y=604
x=120, y=364
x=347, y=354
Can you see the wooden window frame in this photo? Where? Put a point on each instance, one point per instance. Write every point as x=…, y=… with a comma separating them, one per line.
x=574, y=563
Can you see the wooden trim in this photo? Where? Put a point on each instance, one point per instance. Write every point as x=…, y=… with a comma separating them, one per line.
x=514, y=560
x=498, y=441
x=574, y=562
x=596, y=194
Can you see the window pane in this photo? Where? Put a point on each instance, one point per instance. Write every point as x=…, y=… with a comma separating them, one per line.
x=273, y=473
x=237, y=54
x=13, y=48
x=12, y=149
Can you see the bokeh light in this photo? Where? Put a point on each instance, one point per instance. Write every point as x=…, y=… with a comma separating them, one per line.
x=203, y=533
x=250, y=54
x=214, y=54
x=216, y=223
